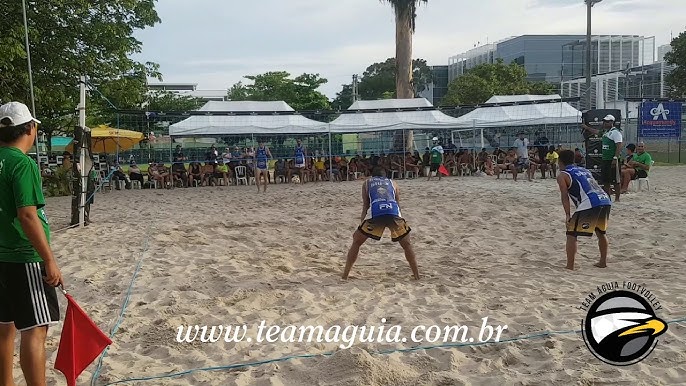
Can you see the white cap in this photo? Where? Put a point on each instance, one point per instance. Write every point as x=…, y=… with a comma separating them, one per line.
x=609, y=118
x=434, y=139
x=17, y=112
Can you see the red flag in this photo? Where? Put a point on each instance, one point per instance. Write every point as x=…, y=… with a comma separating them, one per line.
x=443, y=170
x=81, y=342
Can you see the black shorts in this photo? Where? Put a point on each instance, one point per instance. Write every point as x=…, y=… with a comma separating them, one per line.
x=374, y=228
x=25, y=299
x=434, y=167
x=608, y=173
x=589, y=221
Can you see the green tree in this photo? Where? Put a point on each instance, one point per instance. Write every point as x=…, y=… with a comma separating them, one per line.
x=69, y=38
x=301, y=93
x=405, y=23
x=486, y=80
x=378, y=80
x=676, y=80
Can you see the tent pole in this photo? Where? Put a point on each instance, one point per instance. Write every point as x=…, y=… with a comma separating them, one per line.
x=330, y=159
x=82, y=157
x=402, y=156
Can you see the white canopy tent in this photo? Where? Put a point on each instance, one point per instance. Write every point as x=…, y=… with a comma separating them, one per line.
x=221, y=125
x=386, y=119
x=547, y=113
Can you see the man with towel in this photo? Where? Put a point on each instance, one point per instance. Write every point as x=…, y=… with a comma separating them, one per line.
x=380, y=210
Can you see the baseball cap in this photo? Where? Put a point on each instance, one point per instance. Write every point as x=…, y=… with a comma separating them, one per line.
x=609, y=117
x=17, y=112
x=434, y=139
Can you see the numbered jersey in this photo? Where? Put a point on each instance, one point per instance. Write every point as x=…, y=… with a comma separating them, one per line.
x=382, y=200
x=585, y=191
x=262, y=158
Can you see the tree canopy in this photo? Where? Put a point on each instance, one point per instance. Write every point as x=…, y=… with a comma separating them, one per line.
x=486, y=80
x=301, y=92
x=676, y=80
x=379, y=82
x=70, y=38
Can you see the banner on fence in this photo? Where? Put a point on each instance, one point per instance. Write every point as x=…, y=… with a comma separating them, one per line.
x=660, y=120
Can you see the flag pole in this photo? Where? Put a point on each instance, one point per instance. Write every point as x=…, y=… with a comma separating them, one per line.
x=28, y=56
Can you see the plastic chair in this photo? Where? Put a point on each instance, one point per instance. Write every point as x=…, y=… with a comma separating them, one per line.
x=241, y=174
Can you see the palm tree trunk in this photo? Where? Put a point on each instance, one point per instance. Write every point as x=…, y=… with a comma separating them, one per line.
x=403, y=60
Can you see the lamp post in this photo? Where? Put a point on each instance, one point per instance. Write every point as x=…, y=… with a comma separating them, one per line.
x=28, y=57
x=589, y=5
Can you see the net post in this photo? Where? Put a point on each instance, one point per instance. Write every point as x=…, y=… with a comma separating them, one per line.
x=82, y=156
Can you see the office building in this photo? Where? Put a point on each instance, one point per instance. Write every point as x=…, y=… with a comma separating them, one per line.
x=608, y=89
x=608, y=54
x=662, y=51
x=555, y=58
x=438, y=88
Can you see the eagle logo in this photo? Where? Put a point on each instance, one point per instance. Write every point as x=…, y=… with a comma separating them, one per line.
x=621, y=328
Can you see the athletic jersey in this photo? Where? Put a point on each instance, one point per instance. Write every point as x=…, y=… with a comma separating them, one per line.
x=609, y=143
x=299, y=156
x=20, y=186
x=262, y=157
x=585, y=191
x=382, y=198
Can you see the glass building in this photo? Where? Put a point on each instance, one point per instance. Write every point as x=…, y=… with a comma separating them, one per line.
x=438, y=88
x=608, y=54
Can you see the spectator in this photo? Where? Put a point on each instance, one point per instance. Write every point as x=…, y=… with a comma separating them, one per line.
x=135, y=173
x=551, y=160
x=437, y=159
x=541, y=142
x=578, y=158
x=638, y=166
x=195, y=174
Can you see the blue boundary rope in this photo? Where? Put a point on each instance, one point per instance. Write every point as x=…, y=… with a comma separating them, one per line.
x=125, y=304
x=544, y=334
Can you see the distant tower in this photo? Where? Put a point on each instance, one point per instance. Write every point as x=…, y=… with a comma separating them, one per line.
x=356, y=95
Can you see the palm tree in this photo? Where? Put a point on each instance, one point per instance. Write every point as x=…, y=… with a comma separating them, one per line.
x=405, y=17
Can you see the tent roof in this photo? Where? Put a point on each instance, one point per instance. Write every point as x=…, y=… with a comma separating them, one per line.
x=246, y=106
x=390, y=104
x=521, y=98
x=393, y=120
x=547, y=113
x=218, y=125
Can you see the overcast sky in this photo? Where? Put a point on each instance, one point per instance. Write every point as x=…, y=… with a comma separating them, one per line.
x=216, y=42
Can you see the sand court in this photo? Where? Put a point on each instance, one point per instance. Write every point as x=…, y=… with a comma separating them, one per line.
x=485, y=248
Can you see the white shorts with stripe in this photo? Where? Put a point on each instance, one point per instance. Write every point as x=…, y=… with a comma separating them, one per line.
x=25, y=299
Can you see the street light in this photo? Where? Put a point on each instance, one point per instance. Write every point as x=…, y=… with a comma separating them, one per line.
x=589, y=4
x=28, y=57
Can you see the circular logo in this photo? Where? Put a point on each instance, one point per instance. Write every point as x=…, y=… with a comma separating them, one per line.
x=621, y=328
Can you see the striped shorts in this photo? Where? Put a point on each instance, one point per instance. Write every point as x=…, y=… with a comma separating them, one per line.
x=25, y=299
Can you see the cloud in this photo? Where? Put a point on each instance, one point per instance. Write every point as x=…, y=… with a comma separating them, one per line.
x=215, y=42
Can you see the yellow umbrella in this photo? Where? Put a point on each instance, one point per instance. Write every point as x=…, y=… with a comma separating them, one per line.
x=105, y=139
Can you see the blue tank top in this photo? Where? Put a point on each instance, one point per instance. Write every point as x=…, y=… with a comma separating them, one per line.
x=299, y=155
x=585, y=191
x=262, y=157
x=382, y=198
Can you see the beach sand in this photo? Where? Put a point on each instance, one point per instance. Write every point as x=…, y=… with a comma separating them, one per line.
x=485, y=247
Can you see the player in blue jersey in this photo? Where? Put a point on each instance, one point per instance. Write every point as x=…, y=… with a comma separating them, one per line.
x=300, y=160
x=592, y=207
x=380, y=211
x=262, y=157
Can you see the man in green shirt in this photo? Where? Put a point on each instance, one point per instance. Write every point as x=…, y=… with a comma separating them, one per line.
x=638, y=166
x=611, y=148
x=436, y=158
x=28, y=270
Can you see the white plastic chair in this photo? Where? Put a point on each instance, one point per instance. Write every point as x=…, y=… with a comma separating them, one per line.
x=641, y=181
x=241, y=174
